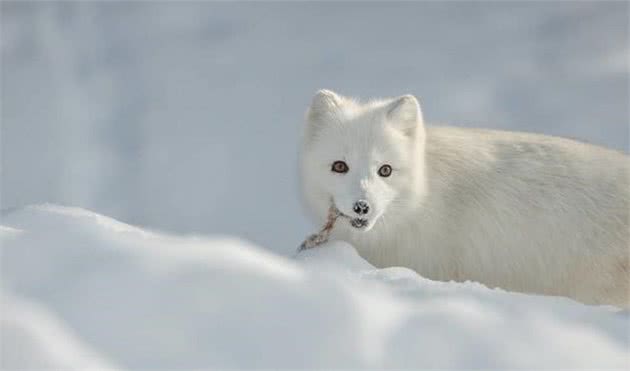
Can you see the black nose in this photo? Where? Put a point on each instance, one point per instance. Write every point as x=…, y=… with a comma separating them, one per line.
x=361, y=207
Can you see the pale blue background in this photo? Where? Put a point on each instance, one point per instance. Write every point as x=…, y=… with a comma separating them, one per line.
x=186, y=117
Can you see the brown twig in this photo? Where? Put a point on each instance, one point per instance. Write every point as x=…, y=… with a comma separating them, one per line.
x=322, y=236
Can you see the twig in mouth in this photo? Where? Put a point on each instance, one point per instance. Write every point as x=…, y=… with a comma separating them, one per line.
x=322, y=236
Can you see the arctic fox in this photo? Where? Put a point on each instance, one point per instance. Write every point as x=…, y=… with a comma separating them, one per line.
x=522, y=212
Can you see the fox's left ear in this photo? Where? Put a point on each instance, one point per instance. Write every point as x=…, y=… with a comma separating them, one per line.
x=404, y=112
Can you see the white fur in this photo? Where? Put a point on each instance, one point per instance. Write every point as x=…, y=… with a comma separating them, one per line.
x=523, y=212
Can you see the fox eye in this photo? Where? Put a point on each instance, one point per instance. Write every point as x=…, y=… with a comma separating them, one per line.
x=340, y=167
x=385, y=171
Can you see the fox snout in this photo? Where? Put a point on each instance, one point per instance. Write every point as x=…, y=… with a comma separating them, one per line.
x=360, y=217
x=361, y=207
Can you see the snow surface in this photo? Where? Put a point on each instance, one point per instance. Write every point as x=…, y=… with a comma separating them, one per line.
x=32, y=338
x=186, y=116
x=81, y=290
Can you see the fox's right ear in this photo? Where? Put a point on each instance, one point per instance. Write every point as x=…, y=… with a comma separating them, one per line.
x=325, y=109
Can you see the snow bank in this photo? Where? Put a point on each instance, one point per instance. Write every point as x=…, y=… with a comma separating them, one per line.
x=32, y=338
x=148, y=300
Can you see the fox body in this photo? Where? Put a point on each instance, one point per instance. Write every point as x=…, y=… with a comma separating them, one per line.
x=523, y=212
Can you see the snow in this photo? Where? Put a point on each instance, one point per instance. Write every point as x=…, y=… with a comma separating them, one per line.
x=81, y=290
x=32, y=338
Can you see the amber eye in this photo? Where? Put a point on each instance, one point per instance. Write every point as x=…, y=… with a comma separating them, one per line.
x=385, y=171
x=339, y=167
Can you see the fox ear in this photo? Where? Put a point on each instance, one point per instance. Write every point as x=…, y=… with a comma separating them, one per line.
x=324, y=106
x=324, y=110
x=404, y=113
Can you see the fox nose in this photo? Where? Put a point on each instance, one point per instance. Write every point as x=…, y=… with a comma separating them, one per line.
x=361, y=207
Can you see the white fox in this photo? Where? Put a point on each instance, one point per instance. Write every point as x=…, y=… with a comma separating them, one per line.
x=522, y=212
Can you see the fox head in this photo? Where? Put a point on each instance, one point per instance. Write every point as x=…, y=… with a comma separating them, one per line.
x=366, y=159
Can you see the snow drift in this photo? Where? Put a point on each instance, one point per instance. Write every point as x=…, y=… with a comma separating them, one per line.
x=32, y=338
x=80, y=290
